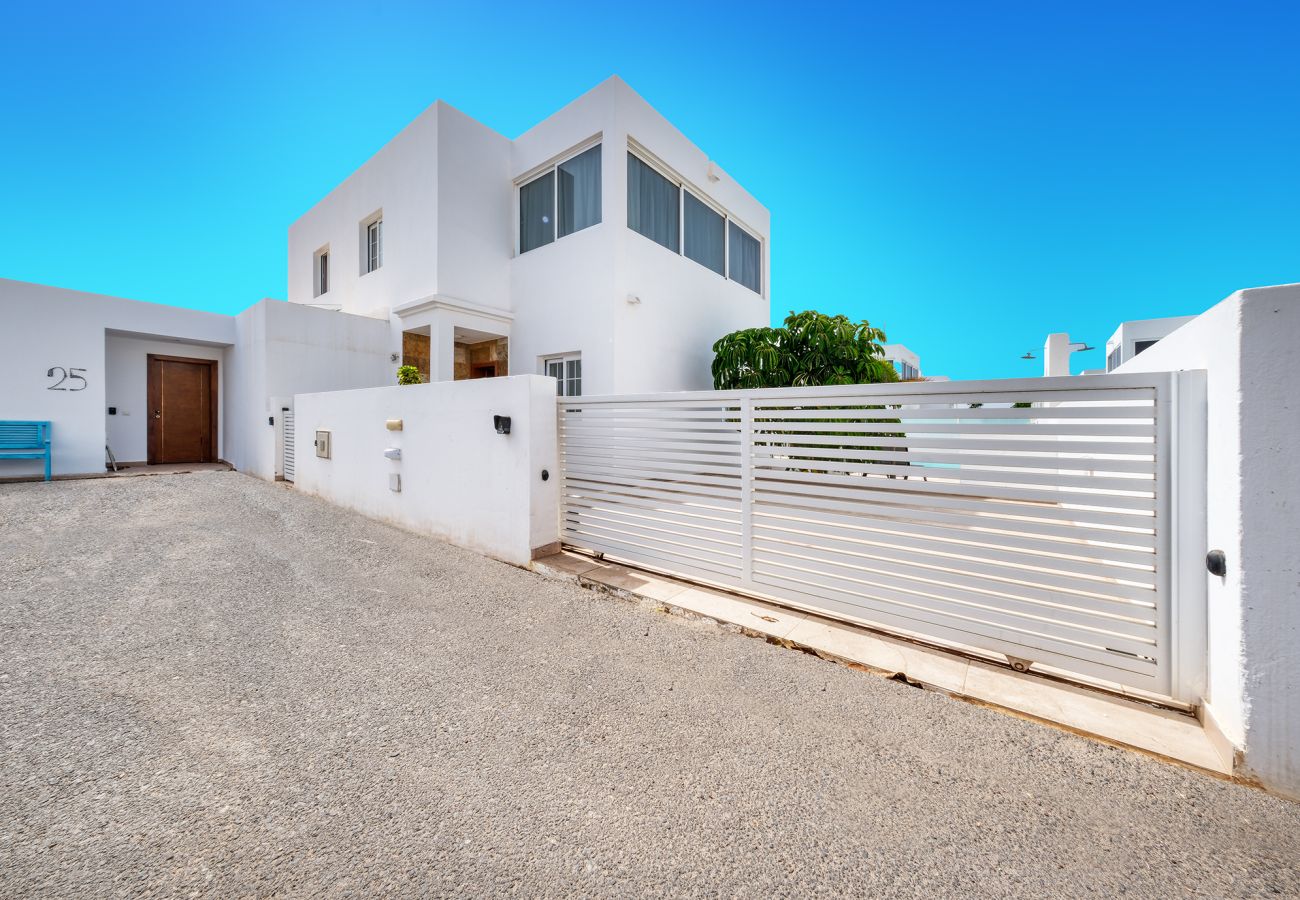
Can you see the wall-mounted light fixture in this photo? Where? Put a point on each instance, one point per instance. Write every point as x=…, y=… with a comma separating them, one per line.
x=633, y=299
x=393, y=357
x=1216, y=562
x=501, y=424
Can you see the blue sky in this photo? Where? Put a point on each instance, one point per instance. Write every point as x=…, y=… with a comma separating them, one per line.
x=968, y=176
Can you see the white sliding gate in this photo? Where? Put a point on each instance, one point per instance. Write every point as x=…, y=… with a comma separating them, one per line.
x=1031, y=518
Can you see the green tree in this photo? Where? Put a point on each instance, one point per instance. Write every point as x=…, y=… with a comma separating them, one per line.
x=408, y=375
x=809, y=349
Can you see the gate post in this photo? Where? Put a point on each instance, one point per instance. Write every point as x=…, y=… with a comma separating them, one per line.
x=1188, y=483
x=747, y=491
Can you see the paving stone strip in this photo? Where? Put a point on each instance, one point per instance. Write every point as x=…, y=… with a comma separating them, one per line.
x=215, y=686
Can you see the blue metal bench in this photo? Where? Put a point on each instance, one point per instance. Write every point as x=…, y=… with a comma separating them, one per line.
x=25, y=440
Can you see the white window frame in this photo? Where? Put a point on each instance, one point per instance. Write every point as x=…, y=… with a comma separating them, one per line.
x=321, y=276
x=645, y=156
x=553, y=166
x=563, y=382
x=376, y=221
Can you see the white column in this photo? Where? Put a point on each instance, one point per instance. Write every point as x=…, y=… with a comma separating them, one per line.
x=1056, y=355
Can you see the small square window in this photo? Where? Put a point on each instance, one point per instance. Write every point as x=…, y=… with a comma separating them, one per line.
x=567, y=372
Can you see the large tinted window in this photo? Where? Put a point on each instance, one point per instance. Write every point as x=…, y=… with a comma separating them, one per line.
x=652, y=204
x=579, y=191
x=537, y=212
x=704, y=234
x=746, y=259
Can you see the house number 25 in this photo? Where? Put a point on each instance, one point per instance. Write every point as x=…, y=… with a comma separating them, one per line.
x=65, y=375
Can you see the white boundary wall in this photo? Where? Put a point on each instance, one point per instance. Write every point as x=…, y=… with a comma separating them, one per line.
x=42, y=327
x=1247, y=346
x=461, y=481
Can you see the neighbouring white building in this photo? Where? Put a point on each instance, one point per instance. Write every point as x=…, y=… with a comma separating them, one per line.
x=600, y=247
x=906, y=363
x=1131, y=338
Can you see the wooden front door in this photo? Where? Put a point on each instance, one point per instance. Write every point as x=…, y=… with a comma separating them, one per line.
x=182, y=410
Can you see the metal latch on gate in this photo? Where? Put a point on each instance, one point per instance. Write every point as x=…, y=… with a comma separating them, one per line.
x=1020, y=665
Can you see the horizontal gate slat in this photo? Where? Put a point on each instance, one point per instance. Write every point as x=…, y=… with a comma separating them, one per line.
x=1112, y=457
x=579, y=516
x=986, y=429
x=814, y=415
x=703, y=516
x=592, y=486
x=1099, y=483
x=964, y=459
x=883, y=515
x=635, y=546
x=1105, y=614
x=661, y=471
x=992, y=492
x=659, y=485
x=700, y=435
x=719, y=554
x=1067, y=573
x=960, y=629
x=812, y=497
x=684, y=451
x=979, y=620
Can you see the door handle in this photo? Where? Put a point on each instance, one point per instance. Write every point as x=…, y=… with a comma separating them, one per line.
x=157, y=413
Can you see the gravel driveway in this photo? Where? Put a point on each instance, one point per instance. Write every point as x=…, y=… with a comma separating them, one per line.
x=217, y=686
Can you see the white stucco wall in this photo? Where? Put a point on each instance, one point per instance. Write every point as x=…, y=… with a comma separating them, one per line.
x=460, y=480
x=126, y=381
x=282, y=349
x=474, y=211
x=1246, y=344
x=401, y=179
x=572, y=295
x=46, y=326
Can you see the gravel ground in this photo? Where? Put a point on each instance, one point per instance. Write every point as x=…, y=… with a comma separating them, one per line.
x=211, y=685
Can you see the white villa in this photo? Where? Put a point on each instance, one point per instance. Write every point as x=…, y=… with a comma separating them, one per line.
x=1126, y=536
x=600, y=247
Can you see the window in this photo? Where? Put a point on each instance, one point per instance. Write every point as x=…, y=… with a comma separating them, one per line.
x=537, y=213
x=571, y=189
x=906, y=371
x=1114, y=359
x=1139, y=346
x=705, y=233
x=652, y=204
x=746, y=259
x=673, y=216
x=567, y=372
x=372, y=243
x=578, y=191
x=321, y=271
